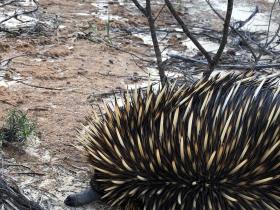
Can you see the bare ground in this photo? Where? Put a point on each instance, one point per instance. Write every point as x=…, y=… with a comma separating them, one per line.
x=56, y=83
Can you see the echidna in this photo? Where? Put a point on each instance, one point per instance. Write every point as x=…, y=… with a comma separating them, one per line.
x=215, y=145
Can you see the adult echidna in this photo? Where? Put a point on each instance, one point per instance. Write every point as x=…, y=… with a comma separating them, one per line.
x=214, y=145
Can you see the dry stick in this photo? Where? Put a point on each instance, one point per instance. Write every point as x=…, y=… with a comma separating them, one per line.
x=17, y=14
x=28, y=173
x=187, y=32
x=269, y=22
x=7, y=61
x=267, y=43
x=160, y=11
x=235, y=30
x=151, y=21
x=224, y=38
x=37, y=86
x=274, y=36
x=211, y=62
x=8, y=3
x=142, y=9
x=147, y=12
x=228, y=66
x=243, y=23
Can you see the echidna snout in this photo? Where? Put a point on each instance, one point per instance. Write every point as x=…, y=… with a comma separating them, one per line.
x=85, y=197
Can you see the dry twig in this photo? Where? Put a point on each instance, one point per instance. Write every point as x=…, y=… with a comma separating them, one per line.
x=11, y=196
x=147, y=12
x=212, y=62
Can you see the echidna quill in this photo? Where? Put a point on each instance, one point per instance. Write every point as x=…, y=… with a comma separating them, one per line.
x=214, y=145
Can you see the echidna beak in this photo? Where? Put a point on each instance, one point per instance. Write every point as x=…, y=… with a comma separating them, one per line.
x=82, y=198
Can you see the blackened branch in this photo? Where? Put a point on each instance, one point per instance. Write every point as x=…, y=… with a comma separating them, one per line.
x=224, y=38
x=187, y=31
x=235, y=30
x=151, y=20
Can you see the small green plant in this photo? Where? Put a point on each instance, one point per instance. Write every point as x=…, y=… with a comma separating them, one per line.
x=17, y=127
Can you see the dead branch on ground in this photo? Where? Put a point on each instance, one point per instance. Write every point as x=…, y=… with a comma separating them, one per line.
x=227, y=66
x=19, y=18
x=12, y=198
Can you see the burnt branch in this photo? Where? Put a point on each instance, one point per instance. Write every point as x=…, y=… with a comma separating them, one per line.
x=224, y=38
x=147, y=12
x=151, y=21
x=29, y=19
x=235, y=29
x=269, y=23
x=187, y=31
x=12, y=198
x=267, y=41
x=160, y=11
x=20, y=13
x=8, y=3
x=245, y=66
x=212, y=62
x=140, y=7
x=240, y=24
x=244, y=52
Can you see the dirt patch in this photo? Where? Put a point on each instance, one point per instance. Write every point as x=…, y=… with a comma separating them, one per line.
x=53, y=86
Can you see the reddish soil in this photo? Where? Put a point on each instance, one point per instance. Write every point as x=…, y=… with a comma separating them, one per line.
x=55, y=85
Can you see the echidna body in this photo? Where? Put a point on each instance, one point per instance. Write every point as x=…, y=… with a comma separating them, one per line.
x=214, y=145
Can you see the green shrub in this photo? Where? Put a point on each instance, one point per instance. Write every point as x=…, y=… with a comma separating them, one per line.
x=17, y=127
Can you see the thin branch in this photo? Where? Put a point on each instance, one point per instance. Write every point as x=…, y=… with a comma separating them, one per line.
x=151, y=21
x=160, y=11
x=187, y=31
x=226, y=66
x=239, y=24
x=37, y=86
x=269, y=22
x=8, y=3
x=224, y=38
x=244, y=40
x=17, y=14
x=140, y=7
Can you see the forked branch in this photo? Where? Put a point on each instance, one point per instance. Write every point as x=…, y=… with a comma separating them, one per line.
x=212, y=62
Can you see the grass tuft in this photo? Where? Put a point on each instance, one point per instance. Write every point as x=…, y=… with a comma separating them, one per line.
x=17, y=127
